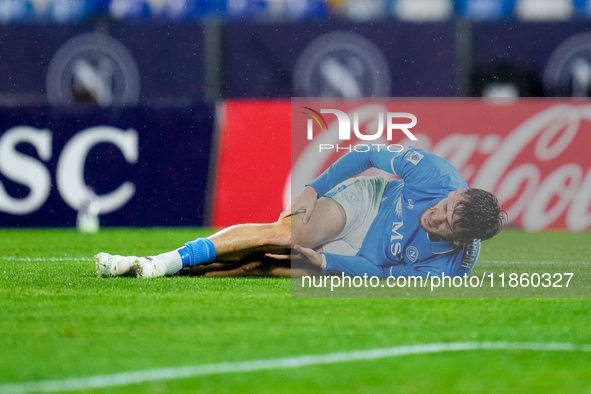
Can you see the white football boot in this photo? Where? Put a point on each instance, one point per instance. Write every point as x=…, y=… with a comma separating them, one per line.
x=108, y=265
x=149, y=267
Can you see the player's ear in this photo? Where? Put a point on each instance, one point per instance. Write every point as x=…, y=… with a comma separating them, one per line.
x=454, y=192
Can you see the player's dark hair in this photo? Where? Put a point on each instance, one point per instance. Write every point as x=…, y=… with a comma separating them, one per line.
x=478, y=216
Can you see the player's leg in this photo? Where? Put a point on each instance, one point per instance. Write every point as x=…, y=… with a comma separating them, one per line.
x=265, y=266
x=238, y=255
x=350, y=210
x=245, y=241
x=228, y=245
x=242, y=241
x=250, y=241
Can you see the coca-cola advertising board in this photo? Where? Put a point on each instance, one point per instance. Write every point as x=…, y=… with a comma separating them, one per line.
x=252, y=162
x=531, y=153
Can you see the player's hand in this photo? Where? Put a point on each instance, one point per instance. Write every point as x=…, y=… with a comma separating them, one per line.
x=305, y=201
x=301, y=253
x=313, y=256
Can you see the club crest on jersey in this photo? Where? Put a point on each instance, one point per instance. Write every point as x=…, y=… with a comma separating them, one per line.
x=414, y=158
x=351, y=197
x=412, y=254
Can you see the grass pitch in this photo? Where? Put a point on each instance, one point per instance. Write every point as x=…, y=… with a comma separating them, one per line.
x=58, y=321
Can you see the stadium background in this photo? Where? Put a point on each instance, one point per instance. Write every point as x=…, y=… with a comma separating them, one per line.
x=196, y=94
x=177, y=114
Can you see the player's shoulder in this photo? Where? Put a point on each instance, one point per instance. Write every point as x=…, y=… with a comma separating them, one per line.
x=422, y=161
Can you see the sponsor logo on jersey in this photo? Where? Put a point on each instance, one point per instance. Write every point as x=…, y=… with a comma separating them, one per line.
x=471, y=254
x=398, y=210
x=396, y=247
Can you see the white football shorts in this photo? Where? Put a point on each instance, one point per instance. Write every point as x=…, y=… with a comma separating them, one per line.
x=360, y=197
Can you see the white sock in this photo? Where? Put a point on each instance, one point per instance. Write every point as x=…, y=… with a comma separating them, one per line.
x=172, y=260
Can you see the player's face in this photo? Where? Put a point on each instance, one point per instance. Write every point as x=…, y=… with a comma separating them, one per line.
x=438, y=218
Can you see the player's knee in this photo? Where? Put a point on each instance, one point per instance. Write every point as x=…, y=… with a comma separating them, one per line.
x=303, y=238
x=304, y=235
x=288, y=232
x=280, y=233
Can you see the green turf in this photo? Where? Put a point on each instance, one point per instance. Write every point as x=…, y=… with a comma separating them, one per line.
x=59, y=321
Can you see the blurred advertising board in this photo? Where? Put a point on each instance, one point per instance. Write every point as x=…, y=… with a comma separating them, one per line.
x=107, y=64
x=253, y=161
x=148, y=166
x=533, y=58
x=339, y=59
x=531, y=153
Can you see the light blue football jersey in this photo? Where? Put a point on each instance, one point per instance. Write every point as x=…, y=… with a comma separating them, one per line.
x=395, y=244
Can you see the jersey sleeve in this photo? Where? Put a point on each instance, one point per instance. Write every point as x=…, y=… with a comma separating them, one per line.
x=351, y=265
x=448, y=264
x=458, y=263
x=419, y=168
x=352, y=164
x=415, y=166
x=359, y=266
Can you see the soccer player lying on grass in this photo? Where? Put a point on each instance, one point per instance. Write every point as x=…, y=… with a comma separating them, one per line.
x=426, y=223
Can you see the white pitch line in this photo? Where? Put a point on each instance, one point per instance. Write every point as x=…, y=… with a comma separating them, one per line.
x=41, y=259
x=530, y=262
x=136, y=377
x=86, y=258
